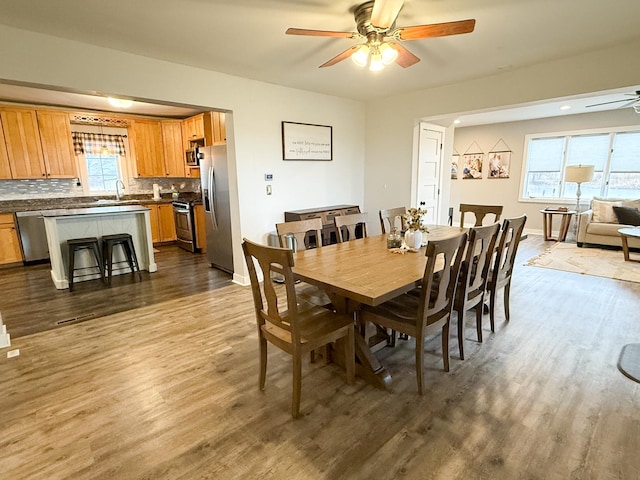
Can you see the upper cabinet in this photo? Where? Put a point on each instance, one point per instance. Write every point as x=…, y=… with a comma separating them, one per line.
x=174, y=160
x=206, y=128
x=22, y=139
x=5, y=169
x=149, y=152
x=192, y=129
x=57, y=147
x=215, y=131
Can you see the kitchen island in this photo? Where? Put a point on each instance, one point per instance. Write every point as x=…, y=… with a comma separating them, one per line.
x=64, y=224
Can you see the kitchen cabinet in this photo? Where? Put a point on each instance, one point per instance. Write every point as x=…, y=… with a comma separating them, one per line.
x=174, y=160
x=192, y=129
x=215, y=131
x=10, y=251
x=5, y=169
x=201, y=233
x=57, y=146
x=149, y=152
x=163, y=227
x=22, y=139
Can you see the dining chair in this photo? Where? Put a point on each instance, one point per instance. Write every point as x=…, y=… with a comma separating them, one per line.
x=307, y=233
x=347, y=225
x=502, y=271
x=288, y=323
x=472, y=280
x=430, y=312
x=389, y=217
x=480, y=211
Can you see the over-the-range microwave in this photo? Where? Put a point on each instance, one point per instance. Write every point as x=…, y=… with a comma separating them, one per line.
x=192, y=157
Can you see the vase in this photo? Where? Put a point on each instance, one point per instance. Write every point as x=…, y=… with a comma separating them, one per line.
x=413, y=239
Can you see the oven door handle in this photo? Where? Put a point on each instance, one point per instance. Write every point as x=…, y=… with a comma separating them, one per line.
x=181, y=210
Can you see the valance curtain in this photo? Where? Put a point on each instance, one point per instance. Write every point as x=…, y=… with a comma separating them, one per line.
x=93, y=143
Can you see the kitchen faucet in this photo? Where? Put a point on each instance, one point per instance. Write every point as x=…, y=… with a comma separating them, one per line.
x=119, y=182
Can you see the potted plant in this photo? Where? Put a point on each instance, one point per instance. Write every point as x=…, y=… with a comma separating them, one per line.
x=413, y=236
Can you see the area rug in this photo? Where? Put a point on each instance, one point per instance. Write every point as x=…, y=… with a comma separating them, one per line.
x=598, y=262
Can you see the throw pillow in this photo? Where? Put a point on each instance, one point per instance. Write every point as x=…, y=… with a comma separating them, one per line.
x=603, y=211
x=627, y=215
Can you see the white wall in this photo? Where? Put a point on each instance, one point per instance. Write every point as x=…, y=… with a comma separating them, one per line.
x=389, y=136
x=257, y=110
x=506, y=191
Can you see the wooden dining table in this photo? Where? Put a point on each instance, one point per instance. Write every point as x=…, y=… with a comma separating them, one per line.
x=364, y=271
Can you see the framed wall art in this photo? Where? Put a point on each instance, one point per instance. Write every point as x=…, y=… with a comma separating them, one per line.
x=304, y=141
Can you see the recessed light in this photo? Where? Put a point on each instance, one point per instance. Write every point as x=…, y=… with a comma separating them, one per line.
x=565, y=107
x=120, y=103
x=457, y=121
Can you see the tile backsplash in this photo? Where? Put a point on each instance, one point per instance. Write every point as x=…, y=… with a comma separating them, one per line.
x=66, y=187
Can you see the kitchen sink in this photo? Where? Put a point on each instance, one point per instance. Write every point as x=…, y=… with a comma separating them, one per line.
x=108, y=201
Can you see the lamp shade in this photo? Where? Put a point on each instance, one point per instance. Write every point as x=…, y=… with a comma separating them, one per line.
x=578, y=173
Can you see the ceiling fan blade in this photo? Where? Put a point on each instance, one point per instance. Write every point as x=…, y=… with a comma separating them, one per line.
x=321, y=33
x=436, y=30
x=338, y=58
x=614, y=101
x=405, y=57
x=385, y=12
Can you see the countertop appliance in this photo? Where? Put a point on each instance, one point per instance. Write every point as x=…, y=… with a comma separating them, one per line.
x=185, y=225
x=214, y=181
x=33, y=236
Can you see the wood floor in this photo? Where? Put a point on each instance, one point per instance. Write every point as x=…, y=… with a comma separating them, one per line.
x=30, y=302
x=169, y=391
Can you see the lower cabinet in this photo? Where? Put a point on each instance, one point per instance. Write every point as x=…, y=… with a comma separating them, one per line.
x=163, y=226
x=10, y=251
x=201, y=233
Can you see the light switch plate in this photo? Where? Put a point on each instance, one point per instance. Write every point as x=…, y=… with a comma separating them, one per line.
x=268, y=189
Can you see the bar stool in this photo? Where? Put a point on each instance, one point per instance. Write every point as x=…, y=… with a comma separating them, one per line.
x=126, y=242
x=76, y=244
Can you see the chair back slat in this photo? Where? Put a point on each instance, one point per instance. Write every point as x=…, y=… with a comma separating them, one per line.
x=279, y=260
x=507, y=247
x=437, y=297
x=300, y=229
x=388, y=219
x=348, y=224
x=480, y=248
x=480, y=211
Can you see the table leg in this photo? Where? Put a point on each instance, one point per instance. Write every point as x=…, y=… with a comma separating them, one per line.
x=367, y=365
x=546, y=226
x=625, y=248
x=564, y=228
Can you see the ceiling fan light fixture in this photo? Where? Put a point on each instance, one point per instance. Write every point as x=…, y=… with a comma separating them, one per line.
x=376, y=64
x=361, y=56
x=389, y=54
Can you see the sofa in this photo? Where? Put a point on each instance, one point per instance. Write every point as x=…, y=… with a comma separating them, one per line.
x=599, y=225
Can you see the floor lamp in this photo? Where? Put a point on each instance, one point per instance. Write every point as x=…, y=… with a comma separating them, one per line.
x=578, y=174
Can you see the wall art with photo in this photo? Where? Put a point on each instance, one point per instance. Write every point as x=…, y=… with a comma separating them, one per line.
x=499, y=163
x=455, y=161
x=472, y=168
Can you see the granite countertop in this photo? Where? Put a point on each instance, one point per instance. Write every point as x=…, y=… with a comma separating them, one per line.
x=13, y=206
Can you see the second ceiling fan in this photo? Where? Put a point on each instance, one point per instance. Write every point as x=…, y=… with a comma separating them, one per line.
x=375, y=24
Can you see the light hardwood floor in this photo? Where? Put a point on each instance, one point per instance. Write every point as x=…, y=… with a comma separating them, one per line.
x=169, y=391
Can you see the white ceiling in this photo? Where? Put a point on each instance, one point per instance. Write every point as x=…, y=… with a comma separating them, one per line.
x=246, y=37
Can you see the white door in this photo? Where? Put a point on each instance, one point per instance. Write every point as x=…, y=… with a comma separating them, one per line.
x=429, y=169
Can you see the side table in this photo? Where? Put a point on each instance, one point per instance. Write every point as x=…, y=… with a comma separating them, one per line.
x=547, y=221
x=624, y=234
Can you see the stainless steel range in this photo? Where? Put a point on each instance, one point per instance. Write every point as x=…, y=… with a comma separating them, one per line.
x=185, y=225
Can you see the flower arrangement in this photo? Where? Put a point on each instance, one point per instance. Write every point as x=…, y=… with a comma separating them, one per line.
x=413, y=217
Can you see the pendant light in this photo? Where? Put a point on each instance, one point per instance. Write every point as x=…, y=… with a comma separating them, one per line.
x=104, y=150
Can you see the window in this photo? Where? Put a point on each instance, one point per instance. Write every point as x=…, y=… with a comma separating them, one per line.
x=102, y=157
x=102, y=172
x=615, y=155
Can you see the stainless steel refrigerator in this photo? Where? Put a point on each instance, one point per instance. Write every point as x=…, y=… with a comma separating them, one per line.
x=214, y=181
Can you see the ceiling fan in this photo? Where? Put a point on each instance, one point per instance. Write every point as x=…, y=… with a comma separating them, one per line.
x=631, y=102
x=375, y=24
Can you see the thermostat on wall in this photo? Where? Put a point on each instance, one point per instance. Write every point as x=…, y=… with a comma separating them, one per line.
x=268, y=177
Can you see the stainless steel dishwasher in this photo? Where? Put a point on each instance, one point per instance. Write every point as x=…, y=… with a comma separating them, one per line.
x=33, y=236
